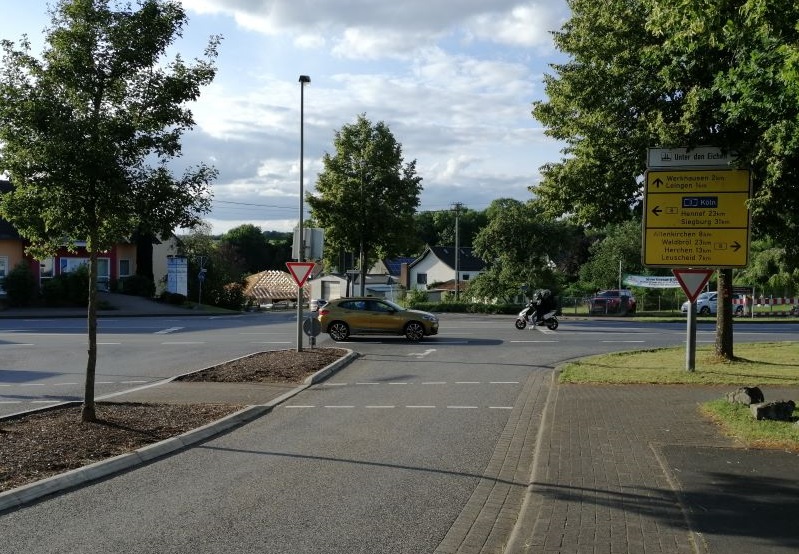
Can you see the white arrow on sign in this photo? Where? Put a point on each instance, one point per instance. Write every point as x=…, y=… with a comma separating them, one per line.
x=692, y=281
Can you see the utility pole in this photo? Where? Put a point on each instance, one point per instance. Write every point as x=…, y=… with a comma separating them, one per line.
x=456, y=207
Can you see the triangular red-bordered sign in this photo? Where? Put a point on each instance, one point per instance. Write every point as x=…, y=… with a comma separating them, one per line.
x=692, y=281
x=300, y=271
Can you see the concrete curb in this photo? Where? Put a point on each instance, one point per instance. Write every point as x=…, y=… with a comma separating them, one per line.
x=20, y=496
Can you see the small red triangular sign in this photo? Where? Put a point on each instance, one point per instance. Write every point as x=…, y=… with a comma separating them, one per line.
x=300, y=271
x=692, y=281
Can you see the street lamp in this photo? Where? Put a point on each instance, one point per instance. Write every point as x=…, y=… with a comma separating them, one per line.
x=300, y=237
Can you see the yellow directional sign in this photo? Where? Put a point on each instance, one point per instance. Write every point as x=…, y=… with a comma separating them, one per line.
x=696, y=218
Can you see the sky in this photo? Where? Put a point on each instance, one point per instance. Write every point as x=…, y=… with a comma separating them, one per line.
x=454, y=80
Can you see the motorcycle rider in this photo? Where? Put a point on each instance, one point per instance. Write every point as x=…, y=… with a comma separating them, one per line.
x=542, y=302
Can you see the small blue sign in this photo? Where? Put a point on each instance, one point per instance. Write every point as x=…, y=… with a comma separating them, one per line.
x=699, y=202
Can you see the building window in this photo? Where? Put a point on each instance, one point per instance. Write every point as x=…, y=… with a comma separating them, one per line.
x=124, y=268
x=421, y=278
x=46, y=268
x=3, y=270
x=465, y=277
x=103, y=269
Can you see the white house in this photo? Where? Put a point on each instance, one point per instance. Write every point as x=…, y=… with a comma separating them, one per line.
x=436, y=266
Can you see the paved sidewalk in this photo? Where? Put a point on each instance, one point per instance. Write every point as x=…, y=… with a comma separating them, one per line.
x=635, y=469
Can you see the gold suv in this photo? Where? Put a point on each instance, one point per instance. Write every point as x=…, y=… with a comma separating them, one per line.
x=343, y=317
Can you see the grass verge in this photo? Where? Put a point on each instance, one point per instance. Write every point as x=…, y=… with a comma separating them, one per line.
x=756, y=364
x=772, y=363
x=736, y=420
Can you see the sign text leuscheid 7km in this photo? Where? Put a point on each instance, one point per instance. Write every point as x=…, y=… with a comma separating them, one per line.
x=696, y=218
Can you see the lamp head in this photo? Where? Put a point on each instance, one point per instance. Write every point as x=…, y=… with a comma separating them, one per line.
x=305, y=79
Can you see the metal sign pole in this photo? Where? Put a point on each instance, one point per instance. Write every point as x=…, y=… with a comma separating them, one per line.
x=690, y=345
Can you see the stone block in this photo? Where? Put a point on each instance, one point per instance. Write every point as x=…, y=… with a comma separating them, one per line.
x=746, y=396
x=781, y=410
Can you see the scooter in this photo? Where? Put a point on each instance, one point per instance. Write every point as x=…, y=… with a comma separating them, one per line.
x=549, y=319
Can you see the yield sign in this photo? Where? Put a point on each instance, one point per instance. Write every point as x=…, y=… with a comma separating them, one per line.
x=300, y=271
x=692, y=280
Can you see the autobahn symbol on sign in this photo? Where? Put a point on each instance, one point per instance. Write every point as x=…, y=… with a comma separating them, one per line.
x=696, y=218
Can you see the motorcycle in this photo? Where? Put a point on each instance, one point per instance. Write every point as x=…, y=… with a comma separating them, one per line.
x=549, y=319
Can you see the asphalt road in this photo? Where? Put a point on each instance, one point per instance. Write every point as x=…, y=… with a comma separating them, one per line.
x=382, y=457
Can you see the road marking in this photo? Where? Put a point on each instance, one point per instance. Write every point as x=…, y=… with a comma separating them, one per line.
x=434, y=382
x=379, y=407
x=467, y=382
x=46, y=401
x=18, y=344
x=504, y=382
x=10, y=402
x=500, y=407
x=132, y=382
x=31, y=384
x=462, y=407
x=525, y=341
x=167, y=331
x=420, y=407
x=397, y=383
x=365, y=383
x=422, y=354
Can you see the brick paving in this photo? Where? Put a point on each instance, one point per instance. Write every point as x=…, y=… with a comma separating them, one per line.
x=602, y=484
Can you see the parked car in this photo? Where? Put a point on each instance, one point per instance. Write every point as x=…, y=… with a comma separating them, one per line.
x=343, y=317
x=613, y=301
x=707, y=304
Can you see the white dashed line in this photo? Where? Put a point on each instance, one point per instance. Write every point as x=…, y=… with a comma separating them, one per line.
x=367, y=383
x=504, y=382
x=379, y=407
x=500, y=407
x=31, y=384
x=467, y=382
x=462, y=407
x=167, y=331
x=420, y=407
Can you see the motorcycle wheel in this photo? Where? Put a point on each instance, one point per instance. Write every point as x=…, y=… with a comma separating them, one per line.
x=552, y=324
x=521, y=324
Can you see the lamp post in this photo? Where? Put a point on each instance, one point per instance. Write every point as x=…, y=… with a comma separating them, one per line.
x=456, y=207
x=300, y=237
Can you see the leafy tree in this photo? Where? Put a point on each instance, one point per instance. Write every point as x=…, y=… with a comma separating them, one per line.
x=366, y=195
x=619, y=251
x=250, y=245
x=682, y=73
x=768, y=270
x=520, y=246
x=437, y=228
x=88, y=129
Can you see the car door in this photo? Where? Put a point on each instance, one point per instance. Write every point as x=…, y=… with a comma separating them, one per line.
x=383, y=318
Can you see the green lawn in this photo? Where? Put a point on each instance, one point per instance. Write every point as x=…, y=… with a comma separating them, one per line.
x=756, y=364
x=773, y=363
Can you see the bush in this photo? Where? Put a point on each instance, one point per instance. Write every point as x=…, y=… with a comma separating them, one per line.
x=173, y=298
x=67, y=289
x=231, y=297
x=137, y=285
x=20, y=285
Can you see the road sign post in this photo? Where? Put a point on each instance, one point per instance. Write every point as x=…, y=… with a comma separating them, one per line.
x=300, y=271
x=692, y=282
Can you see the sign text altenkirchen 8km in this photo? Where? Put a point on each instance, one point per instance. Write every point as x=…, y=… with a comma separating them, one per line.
x=696, y=218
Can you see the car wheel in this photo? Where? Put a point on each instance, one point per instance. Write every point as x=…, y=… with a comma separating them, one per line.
x=414, y=331
x=739, y=310
x=704, y=311
x=338, y=331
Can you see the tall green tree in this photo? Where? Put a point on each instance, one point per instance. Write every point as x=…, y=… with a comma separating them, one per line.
x=437, y=228
x=618, y=252
x=87, y=131
x=675, y=73
x=366, y=195
x=250, y=243
x=521, y=248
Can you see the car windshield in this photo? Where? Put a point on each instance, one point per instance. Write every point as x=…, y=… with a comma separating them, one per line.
x=608, y=293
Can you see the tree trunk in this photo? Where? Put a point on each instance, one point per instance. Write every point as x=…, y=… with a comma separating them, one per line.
x=724, y=342
x=88, y=412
